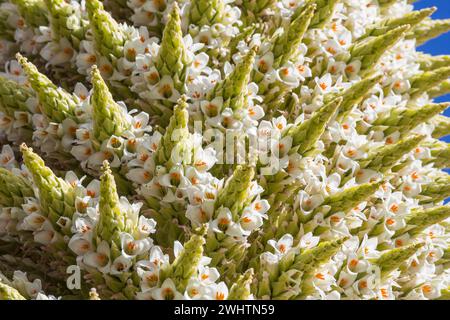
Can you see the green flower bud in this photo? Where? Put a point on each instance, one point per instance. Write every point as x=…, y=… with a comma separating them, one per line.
x=56, y=196
x=441, y=126
x=405, y=120
x=286, y=46
x=66, y=22
x=13, y=189
x=206, y=12
x=437, y=190
x=57, y=104
x=109, y=36
x=33, y=11
x=235, y=193
x=428, y=79
x=384, y=158
x=233, y=88
x=370, y=50
x=172, y=59
x=411, y=18
x=240, y=290
x=306, y=134
x=109, y=118
x=353, y=95
x=176, y=134
x=9, y=293
x=429, y=29
x=420, y=219
x=393, y=259
x=13, y=97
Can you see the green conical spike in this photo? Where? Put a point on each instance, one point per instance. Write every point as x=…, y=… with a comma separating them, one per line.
x=112, y=220
x=324, y=12
x=370, y=50
x=385, y=157
x=56, y=196
x=13, y=189
x=289, y=284
x=437, y=190
x=176, y=132
x=393, y=259
x=429, y=29
x=407, y=119
x=186, y=264
x=354, y=95
x=441, y=126
x=33, y=11
x=172, y=59
x=9, y=293
x=440, y=154
x=420, y=219
x=235, y=193
x=13, y=96
x=56, y=103
x=206, y=12
x=306, y=134
x=109, y=36
x=240, y=290
x=108, y=117
x=253, y=10
x=233, y=88
x=347, y=199
x=65, y=22
x=440, y=90
x=286, y=46
x=428, y=62
x=428, y=79
x=411, y=18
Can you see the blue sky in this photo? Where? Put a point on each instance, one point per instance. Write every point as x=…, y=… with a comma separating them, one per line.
x=439, y=45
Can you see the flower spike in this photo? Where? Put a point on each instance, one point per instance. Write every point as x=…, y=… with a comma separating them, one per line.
x=429, y=29
x=57, y=197
x=286, y=46
x=33, y=11
x=9, y=293
x=240, y=290
x=57, y=104
x=13, y=96
x=405, y=120
x=112, y=220
x=323, y=14
x=172, y=59
x=384, y=158
x=109, y=36
x=61, y=15
x=437, y=190
x=206, y=12
x=13, y=189
x=428, y=62
x=428, y=79
x=109, y=118
x=235, y=193
x=370, y=50
x=233, y=88
x=441, y=126
x=306, y=134
x=187, y=262
x=393, y=259
x=176, y=134
x=421, y=219
x=411, y=18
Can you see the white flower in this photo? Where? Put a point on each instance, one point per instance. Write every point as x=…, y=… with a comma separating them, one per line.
x=167, y=291
x=283, y=245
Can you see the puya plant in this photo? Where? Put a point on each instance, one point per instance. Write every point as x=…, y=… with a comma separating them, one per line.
x=222, y=150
